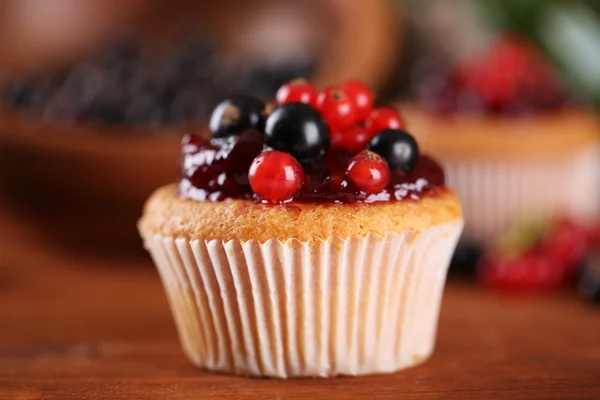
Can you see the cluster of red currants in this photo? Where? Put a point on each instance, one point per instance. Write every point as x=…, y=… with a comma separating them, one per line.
x=348, y=110
x=539, y=257
x=305, y=123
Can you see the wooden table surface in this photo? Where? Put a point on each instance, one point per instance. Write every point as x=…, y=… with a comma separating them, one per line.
x=78, y=326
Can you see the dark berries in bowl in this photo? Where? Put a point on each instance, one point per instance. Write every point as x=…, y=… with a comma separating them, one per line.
x=399, y=148
x=298, y=129
x=275, y=176
x=235, y=115
x=135, y=84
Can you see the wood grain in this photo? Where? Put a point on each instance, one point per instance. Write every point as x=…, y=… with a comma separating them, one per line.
x=81, y=326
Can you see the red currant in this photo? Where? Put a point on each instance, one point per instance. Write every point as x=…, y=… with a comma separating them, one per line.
x=361, y=96
x=353, y=139
x=298, y=90
x=593, y=234
x=369, y=172
x=529, y=271
x=567, y=243
x=383, y=118
x=337, y=108
x=336, y=138
x=276, y=176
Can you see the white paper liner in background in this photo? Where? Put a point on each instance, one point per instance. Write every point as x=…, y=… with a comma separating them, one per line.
x=497, y=193
x=343, y=306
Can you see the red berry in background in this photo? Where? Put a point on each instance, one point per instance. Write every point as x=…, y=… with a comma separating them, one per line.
x=336, y=108
x=567, y=243
x=533, y=270
x=276, y=176
x=353, y=139
x=369, y=172
x=361, y=96
x=383, y=118
x=297, y=90
x=593, y=234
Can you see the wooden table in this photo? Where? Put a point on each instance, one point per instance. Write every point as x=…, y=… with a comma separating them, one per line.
x=78, y=326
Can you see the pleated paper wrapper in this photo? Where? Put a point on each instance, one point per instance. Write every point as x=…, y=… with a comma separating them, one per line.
x=497, y=193
x=361, y=305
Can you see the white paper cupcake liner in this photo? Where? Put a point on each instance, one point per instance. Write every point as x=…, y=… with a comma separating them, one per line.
x=497, y=193
x=339, y=307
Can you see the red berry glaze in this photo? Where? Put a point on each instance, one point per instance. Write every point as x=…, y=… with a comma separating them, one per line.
x=369, y=172
x=353, y=139
x=276, y=176
x=297, y=90
x=383, y=118
x=533, y=270
x=361, y=96
x=337, y=108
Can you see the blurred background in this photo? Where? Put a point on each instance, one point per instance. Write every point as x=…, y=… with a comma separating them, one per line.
x=95, y=96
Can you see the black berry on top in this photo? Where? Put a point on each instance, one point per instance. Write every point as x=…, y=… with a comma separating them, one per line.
x=298, y=129
x=235, y=115
x=398, y=147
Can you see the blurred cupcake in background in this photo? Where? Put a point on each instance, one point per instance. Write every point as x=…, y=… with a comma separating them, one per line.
x=514, y=140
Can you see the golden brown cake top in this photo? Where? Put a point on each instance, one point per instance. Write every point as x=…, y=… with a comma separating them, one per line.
x=167, y=214
x=555, y=134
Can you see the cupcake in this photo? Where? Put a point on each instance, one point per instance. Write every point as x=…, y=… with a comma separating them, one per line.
x=514, y=142
x=284, y=255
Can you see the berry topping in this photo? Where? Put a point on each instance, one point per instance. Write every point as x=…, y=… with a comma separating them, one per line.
x=512, y=77
x=290, y=153
x=369, y=172
x=337, y=108
x=361, y=97
x=298, y=129
x=275, y=176
x=567, y=243
x=353, y=139
x=236, y=115
x=531, y=270
x=208, y=168
x=383, y=118
x=399, y=148
x=297, y=91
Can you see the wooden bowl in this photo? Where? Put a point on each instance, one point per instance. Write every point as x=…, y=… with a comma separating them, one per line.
x=84, y=181
x=85, y=185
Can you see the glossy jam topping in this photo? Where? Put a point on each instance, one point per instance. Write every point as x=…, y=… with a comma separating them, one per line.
x=218, y=170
